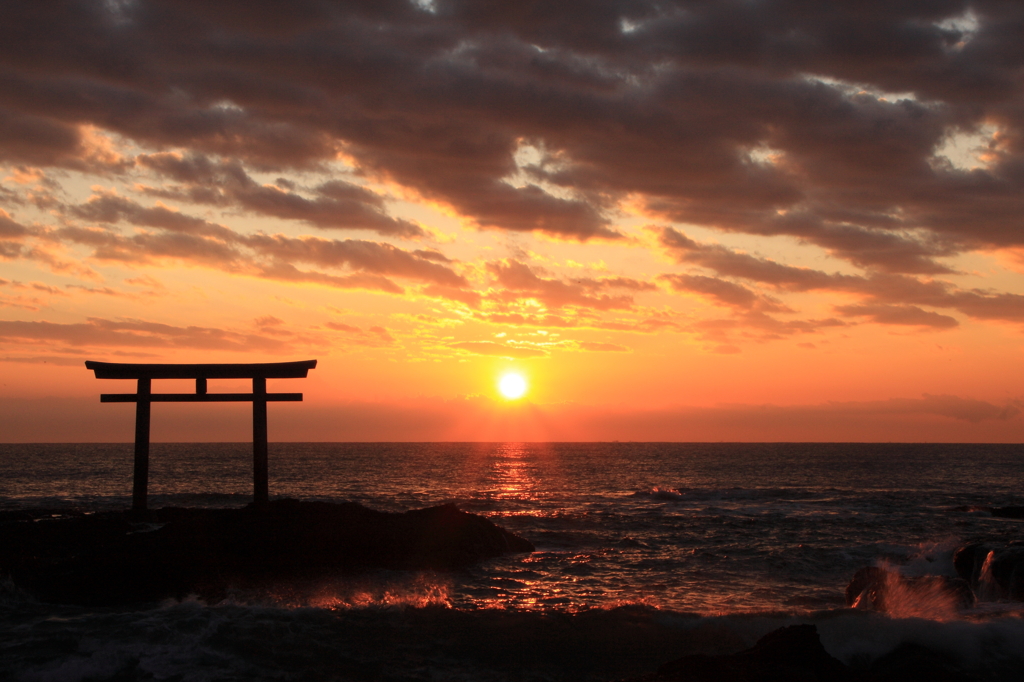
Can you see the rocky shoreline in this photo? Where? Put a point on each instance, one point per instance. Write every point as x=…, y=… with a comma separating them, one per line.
x=987, y=570
x=113, y=558
x=795, y=654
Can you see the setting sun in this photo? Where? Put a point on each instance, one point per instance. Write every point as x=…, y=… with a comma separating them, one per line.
x=512, y=386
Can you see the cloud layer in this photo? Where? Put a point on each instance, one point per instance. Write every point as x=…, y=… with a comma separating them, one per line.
x=621, y=183
x=769, y=118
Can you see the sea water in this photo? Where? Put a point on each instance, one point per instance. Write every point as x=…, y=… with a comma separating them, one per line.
x=645, y=552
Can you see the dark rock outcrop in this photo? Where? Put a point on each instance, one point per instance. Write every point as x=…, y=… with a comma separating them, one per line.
x=911, y=662
x=795, y=654
x=1008, y=512
x=790, y=653
x=970, y=559
x=115, y=558
x=994, y=571
x=881, y=590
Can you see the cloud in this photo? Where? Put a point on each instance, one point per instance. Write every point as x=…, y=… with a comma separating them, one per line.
x=104, y=291
x=335, y=204
x=521, y=282
x=824, y=124
x=131, y=333
x=498, y=349
x=373, y=257
x=900, y=315
x=600, y=347
x=889, y=298
x=721, y=292
x=9, y=229
x=11, y=235
x=196, y=241
x=374, y=336
x=108, y=207
x=763, y=118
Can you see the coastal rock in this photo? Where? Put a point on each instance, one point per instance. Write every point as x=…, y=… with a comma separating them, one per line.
x=115, y=558
x=887, y=591
x=1015, y=512
x=996, y=572
x=969, y=560
x=789, y=653
x=910, y=662
x=795, y=654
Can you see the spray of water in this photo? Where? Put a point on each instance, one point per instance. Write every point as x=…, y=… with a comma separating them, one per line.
x=929, y=596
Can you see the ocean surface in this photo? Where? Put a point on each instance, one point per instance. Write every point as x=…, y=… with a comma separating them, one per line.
x=645, y=552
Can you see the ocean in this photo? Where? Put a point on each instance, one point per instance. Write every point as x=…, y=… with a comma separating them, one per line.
x=645, y=552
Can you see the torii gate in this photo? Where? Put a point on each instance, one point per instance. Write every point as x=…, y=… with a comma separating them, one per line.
x=258, y=372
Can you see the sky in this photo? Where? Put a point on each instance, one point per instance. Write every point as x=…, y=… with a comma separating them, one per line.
x=751, y=220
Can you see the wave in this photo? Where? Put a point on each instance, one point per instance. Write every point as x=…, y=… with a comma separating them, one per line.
x=389, y=634
x=684, y=494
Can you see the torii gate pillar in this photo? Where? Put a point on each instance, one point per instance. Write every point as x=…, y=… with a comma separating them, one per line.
x=144, y=397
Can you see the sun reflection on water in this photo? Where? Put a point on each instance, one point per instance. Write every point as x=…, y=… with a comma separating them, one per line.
x=514, y=475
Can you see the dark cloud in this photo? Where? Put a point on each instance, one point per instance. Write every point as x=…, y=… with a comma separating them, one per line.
x=372, y=257
x=668, y=102
x=36, y=140
x=890, y=298
x=197, y=241
x=900, y=315
x=721, y=292
x=520, y=282
x=11, y=236
x=820, y=122
x=111, y=208
x=335, y=204
x=103, y=333
x=9, y=229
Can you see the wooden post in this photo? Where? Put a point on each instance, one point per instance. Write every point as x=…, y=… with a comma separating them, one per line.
x=140, y=482
x=260, y=475
x=144, y=397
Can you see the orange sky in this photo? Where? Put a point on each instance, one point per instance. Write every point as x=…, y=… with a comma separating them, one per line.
x=811, y=241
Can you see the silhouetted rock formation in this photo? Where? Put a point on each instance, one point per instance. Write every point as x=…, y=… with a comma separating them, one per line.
x=911, y=662
x=795, y=654
x=114, y=558
x=1008, y=512
x=881, y=590
x=999, y=512
x=790, y=653
x=994, y=571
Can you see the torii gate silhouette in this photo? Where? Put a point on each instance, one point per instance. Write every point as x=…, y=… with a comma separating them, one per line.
x=258, y=372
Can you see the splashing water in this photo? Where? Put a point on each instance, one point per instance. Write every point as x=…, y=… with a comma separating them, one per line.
x=923, y=598
x=379, y=591
x=987, y=587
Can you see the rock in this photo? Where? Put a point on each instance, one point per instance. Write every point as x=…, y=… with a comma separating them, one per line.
x=1007, y=570
x=887, y=591
x=113, y=558
x=911, y=662
x=784, y=655
x=995, y=572
x=969, y=560
x=795, y=654
x=1008, y=512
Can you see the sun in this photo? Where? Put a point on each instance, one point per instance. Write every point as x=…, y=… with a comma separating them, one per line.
x=512, y=385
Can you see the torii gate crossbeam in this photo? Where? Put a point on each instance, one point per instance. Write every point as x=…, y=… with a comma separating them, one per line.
x=144, y=397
